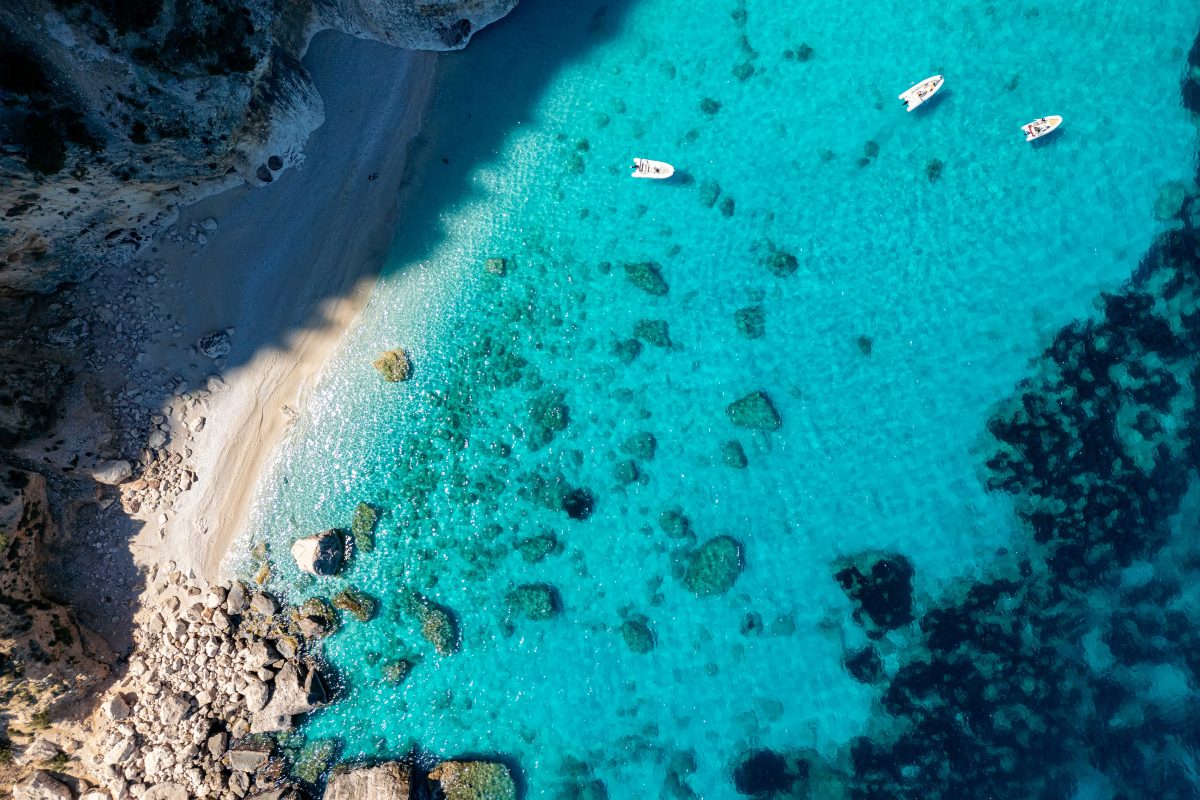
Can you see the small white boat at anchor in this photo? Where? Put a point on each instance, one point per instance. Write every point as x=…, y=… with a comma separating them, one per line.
x=1041, y=126
x=915, y=95
x=655, y=170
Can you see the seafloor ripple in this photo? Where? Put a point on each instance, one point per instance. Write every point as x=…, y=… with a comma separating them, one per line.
x=566, y=448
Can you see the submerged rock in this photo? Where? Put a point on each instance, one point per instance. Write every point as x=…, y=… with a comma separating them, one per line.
x=674, y=524
x=497, y=266
x=755, y=411
x=393, y=365
x=358, y=604
x=388, y=781
x=751, y=321
x=533, y=601
x=638, y=636
x=537, y=548
x=320, y=554
x=641, y=446
x=714, y=566
x=362, y=527
x=394, y=672
x=578, y=503
x=625, y=472
x=733, y=455
x=653, y=331
x=781, y=263
x=647, y=276
x=763, y=773
x=627, y=350
x=548, y=415
x=864, y=665
x=474, y=780
x=439, y=626
x=880, y=584
x=315, y=618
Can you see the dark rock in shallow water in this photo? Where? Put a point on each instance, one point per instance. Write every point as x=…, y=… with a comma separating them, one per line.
x=710, y=106
x=880, y=584
x=638, y=636
x=647, y=276
x=641, y=446
x=395, y=672
x=674, y=524
x=578, y=503
x=733, y=455
x=627, y=350
x=781, y=263
x=537, y=548
x=533, y=601
x=394, y=365
x=548, y=415
x=497, y=266
x=652, y=331
x=439, y=625
x=626, y=472
x=714, y=566
x=864, y=665
x=727, y=206
x=865, y=345
x=356, y=603
x=362, y=527
x=763, y=773
x=751, y=321
x=755, y=411
x=710, y=192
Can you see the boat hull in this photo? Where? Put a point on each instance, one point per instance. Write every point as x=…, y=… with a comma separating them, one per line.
x=651, y=170
x=920, y=93
x=1041, y=127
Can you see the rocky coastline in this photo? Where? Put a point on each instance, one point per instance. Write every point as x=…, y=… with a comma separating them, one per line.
x=122, y=675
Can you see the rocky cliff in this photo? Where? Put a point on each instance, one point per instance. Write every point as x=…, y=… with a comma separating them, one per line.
x=113, y=113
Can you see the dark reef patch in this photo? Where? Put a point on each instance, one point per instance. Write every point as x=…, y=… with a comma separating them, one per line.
x=880, y=585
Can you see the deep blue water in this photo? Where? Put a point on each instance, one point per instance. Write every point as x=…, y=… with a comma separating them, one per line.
x=886, y=279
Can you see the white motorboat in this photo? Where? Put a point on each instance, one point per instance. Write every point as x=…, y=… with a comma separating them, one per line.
x=914, y=96
x=656, y=170
x=1041, y=126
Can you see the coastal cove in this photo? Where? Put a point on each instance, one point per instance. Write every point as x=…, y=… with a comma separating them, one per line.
x=582, y=432
x=368, y=433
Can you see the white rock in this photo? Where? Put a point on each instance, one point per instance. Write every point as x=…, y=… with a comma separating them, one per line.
x=115, y=708
x=111, y=473
x=40, y=786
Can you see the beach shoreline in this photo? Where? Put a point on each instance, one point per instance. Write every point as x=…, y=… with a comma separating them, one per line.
x=323, y=231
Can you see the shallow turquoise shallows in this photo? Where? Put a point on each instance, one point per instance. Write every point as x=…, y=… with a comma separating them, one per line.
x=935, y=253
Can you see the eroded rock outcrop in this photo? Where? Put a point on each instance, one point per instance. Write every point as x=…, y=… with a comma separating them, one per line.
x=48, y=662
x=113, y=114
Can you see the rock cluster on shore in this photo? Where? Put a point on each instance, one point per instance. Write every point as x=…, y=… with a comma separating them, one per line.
x=213, y=665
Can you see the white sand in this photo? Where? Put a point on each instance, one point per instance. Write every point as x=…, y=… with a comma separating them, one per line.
x=288, y=269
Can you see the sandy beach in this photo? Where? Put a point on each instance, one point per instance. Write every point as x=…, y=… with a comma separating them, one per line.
x=285, y=271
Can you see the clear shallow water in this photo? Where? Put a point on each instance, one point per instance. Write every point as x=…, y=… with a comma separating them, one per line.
x=957, y=281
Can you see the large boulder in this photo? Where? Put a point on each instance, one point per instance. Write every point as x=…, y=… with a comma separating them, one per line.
x=388, y=781
x=320, y=554
x=166, y=791
x=714, y=566
x=394, y=365
x=111, y=473
x=438, y=624
x=297, y=690
x=40, y=786
x=474, y=780
x=755, y=411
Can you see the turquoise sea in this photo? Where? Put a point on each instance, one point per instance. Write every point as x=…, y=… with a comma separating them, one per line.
x=885, y=278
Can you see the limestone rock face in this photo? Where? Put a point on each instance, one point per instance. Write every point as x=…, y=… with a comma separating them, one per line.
x=419, y=25
x=320, y=554
x=384, y=782
x=118, y=113
x=60, y=661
